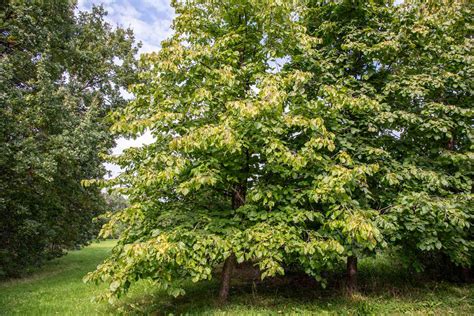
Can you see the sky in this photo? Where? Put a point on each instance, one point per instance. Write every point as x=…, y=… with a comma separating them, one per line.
x=149, y=19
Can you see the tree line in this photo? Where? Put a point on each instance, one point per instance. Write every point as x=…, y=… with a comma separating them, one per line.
x=61, y=73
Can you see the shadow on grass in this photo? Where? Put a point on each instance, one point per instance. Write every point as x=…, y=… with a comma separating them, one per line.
x=384, y=288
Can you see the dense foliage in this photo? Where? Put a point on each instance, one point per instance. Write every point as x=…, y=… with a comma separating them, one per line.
x=297, y=133
x=429, y=132
x=60, y=73
x=411, y=67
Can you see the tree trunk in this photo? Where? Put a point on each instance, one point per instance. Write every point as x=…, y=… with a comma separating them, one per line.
x=238, y=199
x=465, y=274
x=451, y=144
x=227, y=270
x=351, y=274
x=238, y=196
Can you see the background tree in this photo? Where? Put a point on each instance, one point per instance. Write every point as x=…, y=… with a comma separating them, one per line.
x=410, y=64
x=60, y=75
x=430, y=93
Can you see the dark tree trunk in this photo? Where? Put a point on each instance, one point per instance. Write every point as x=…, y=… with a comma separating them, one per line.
x=226, y=276
x=451, y=144
x=238, y=199
x=465, y=274
x=351, y=274
x=238, y=196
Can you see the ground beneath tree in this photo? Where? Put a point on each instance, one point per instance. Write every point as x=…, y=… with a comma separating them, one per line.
x=57, y=289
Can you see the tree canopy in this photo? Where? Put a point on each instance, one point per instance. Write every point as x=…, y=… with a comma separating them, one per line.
x=294, y=134
x=60, y=74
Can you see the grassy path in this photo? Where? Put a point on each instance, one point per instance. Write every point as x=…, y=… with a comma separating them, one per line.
x=57, y=289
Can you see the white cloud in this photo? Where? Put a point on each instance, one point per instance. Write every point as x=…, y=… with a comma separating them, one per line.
x=160, y=5
x=149, y=19
x=122, y=144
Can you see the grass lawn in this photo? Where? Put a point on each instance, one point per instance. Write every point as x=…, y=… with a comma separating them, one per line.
x=57, y=289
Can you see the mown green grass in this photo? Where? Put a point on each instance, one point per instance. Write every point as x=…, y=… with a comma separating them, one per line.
x=385, y=288
x=57, y=288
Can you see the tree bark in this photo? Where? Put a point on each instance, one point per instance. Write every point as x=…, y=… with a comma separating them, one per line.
x=451, y=144
x=351, y=274
x=226, y=276
x=465, y=274
x=238, y=199
x=238, y=196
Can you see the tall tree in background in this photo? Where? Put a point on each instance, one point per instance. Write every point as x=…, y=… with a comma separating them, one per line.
x=430, y=94
x=60, y=74
x=413, y=62
x=245, y=166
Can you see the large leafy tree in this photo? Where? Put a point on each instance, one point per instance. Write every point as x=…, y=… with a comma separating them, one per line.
x=413, y=63
x=305, y=164
x=246, y=165
x=60, y=73
x=430, y=93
